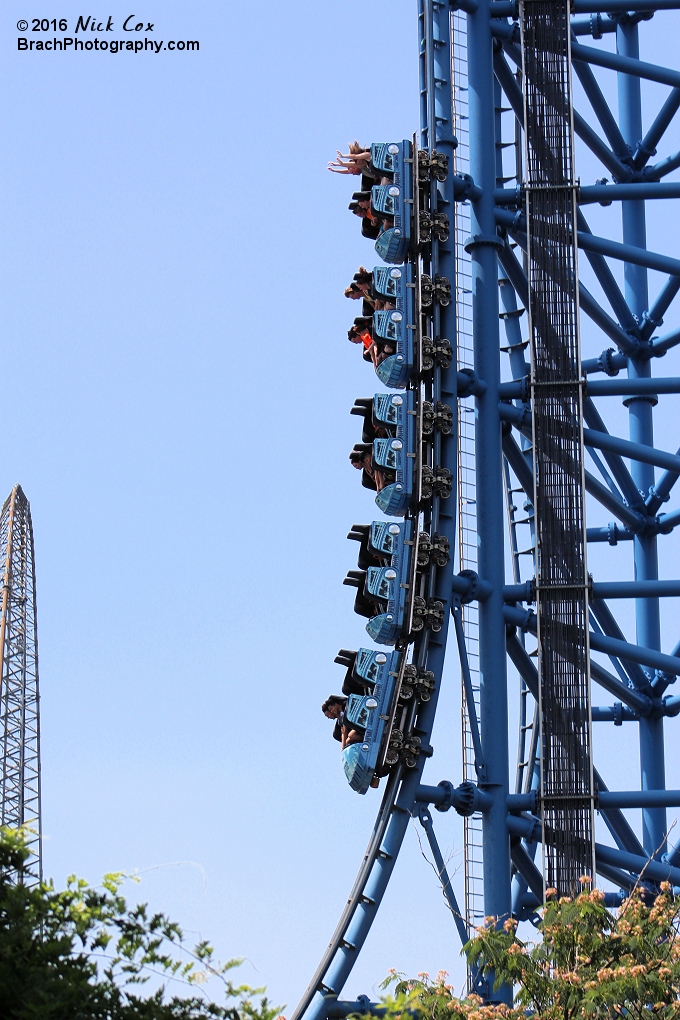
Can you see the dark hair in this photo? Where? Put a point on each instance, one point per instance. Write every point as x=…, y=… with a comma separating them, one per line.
x=333, y=699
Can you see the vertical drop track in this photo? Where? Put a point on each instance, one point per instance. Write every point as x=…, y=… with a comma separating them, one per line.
x=537, y=454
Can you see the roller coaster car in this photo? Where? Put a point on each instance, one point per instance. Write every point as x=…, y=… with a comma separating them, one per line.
x=376, y=541
x=364, y=668
x=393, y=200
x=389, y=423
x=382, y=590
x=395, y=325
x=369, y=710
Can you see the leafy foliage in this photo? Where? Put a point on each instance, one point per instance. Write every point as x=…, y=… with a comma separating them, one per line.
x=83, y=953
x=589, y=963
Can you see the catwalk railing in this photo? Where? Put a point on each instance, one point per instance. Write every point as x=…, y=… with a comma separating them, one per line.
x=559, y=497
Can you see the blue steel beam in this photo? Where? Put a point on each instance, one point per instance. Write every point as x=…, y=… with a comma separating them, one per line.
x=610, y=287
x=655, y=871
x=653, y=319
x=605, y=155
x=660, y=491
x=606, y=799
x=617, y=714
x=616, y=821
x=639, y=798
x=608, y=645
x=635, y=387
x=638, y=452
x=614, y=460
x=665, y=343
x=612, y=534
x=626, y=343
x=516, y=390
x=604, y=194
x=526, y=591
x=647, y=146
x=601, y=109
x=629, y=253
x=480, y=767
x=509, y=8
x=604, y=622
x=520, y=417
x=425, y=819
x=586, y=26
x=528, y=870
x=630, y=66
x=664, y=167
x=609, y=361
x=513, y=93
x=483, y=247
x=639, y=703
x=631, y=518
x=669, y=521
x=641, y=427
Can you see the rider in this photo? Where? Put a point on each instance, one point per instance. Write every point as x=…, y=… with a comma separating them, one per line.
x=334, y=708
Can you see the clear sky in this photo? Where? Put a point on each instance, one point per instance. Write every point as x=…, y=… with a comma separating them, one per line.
x=176, y=388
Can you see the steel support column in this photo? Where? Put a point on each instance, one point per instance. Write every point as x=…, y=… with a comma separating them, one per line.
x=483, y=246
x=641, y=427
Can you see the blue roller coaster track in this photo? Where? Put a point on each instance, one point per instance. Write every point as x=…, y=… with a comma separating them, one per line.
x=497, y=474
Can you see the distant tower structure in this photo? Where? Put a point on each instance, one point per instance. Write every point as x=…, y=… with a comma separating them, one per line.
x=19, y=689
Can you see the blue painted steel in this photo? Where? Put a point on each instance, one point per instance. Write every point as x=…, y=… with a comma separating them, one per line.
x=635, y=387
x=483, y=247
x=508, y=8
x=602, y=590
x=623, y=61
x=606, y=193
x=611, y=646
x=439, y=516
x=638, y=452
x=645, y=554
x=425, y=818
x=393, y=200
x=607, y=799
x=632, y=323
x=395, y=325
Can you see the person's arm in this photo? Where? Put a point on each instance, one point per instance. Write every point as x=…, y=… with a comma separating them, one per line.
x=350, y=735
x=350, y=162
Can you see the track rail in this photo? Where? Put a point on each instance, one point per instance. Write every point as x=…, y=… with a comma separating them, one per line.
x=437, y=515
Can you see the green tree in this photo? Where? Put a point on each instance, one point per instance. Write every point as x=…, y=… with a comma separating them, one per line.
x=84, y=954
x=589, y=963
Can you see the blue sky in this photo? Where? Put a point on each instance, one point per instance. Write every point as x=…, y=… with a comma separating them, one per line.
x=176, y=396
